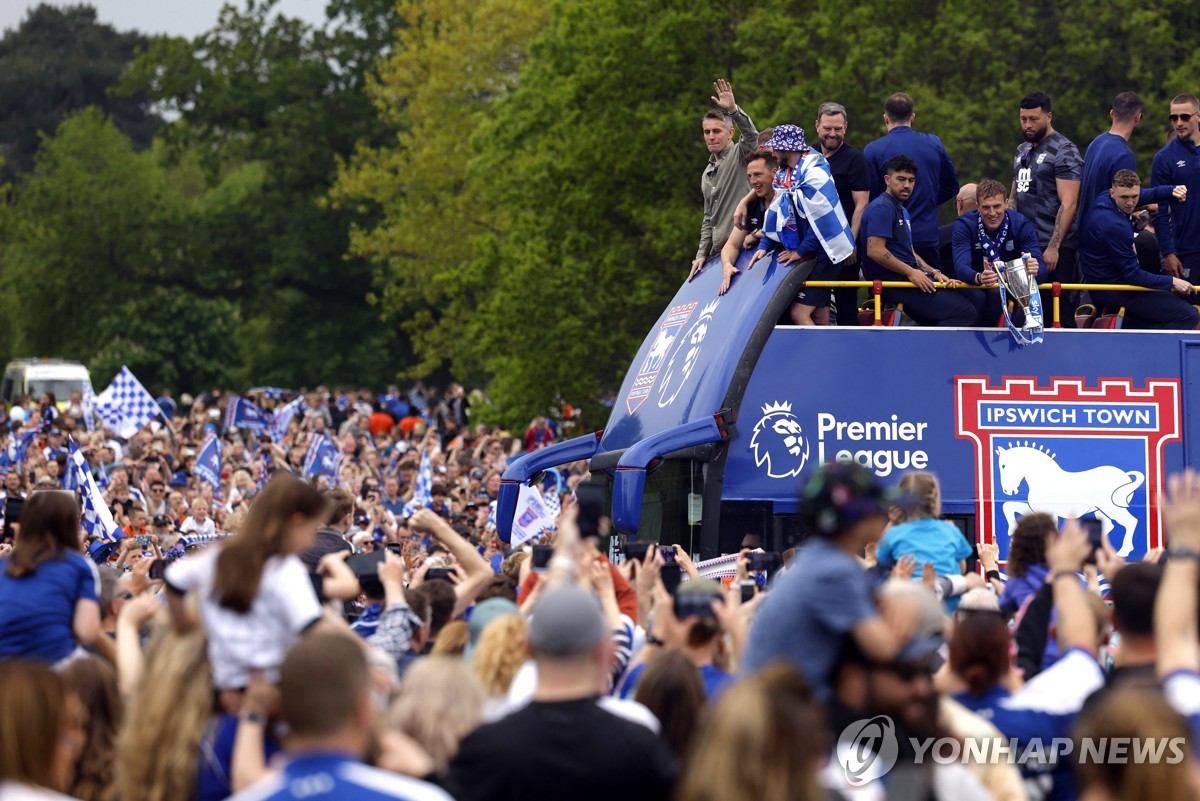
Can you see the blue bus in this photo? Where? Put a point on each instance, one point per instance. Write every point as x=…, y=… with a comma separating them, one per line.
x=724, y=411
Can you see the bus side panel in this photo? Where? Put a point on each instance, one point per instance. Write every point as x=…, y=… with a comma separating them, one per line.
x=1086, y=424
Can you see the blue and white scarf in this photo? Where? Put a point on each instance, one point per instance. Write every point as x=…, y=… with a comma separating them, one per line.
x=811, y=194
x=991, y=251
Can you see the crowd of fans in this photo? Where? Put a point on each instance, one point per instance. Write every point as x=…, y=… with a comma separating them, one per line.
x=1068, y=218
x=276, y=638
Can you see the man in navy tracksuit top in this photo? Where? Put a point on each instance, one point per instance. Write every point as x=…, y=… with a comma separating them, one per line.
x=937, y=181
x=1178, y=224
x=1107, y=257
x=889, y=255
x=1109, y=152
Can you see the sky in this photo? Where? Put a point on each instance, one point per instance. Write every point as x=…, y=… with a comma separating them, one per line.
x=177, y=17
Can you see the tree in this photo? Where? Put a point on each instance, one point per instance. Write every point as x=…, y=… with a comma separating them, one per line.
x=60, y=60
x=586, y=154
x=267, y=91
x=452, y=62
x=98, y=265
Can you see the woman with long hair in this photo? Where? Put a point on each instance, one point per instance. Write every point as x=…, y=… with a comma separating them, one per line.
x=94, y=681
x=49, y=593
x=440, y=703
x=160, y=745
x=671, y=688
x=254, y=593
x=499, y=653
x=41, y=732
x=763, y=742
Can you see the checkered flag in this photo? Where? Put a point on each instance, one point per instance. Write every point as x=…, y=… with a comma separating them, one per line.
x=126, y=406
x=96, y=518
x=89, y=405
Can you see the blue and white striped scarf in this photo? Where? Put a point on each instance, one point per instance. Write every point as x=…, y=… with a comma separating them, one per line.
x=814, y=197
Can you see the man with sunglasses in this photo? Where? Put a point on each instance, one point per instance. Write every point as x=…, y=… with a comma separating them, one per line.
x=1046, y=174
x=1178, y=223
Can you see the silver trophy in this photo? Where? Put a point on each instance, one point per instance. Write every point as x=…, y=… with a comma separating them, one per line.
x=1020, y=285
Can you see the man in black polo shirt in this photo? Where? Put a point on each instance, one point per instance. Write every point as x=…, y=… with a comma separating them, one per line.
x=747, y=232
x=852, y=178
x=1046, y=173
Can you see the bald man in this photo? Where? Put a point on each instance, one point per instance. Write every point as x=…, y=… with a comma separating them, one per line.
x=965, y=201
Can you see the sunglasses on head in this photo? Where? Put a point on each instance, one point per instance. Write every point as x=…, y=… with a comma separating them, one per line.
x=1178, y=117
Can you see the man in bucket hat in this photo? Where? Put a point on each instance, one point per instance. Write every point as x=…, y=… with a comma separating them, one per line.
x=805, y=220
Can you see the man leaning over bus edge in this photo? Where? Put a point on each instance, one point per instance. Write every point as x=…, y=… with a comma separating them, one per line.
x=760, y=172
x=805, y=220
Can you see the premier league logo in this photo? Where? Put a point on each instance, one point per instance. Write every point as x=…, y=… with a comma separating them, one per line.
x=1070, y=451
x=779, y=442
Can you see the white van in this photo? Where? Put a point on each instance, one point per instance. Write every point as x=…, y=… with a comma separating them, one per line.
x=35, y=376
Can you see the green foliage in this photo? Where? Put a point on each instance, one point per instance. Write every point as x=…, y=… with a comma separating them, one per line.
x=57, y=61
x=99, y=259
x=266, y=95
x=505, y=189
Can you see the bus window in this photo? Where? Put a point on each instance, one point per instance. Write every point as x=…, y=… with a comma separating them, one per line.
x=669, y=503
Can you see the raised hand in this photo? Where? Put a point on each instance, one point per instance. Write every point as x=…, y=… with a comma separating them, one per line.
x=724, y=97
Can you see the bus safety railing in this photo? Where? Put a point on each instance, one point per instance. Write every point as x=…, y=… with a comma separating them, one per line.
x=1056, y=288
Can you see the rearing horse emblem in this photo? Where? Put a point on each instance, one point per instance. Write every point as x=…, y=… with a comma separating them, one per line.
x=1105, y=491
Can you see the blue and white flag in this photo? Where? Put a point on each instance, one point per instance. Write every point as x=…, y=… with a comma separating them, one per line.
x=126, y=406
x=423, y=488
x=241, y=413
x=553, y=504
x=283, y=418
x=89, y=405
x=208, y=463
x=532, y=516
x=809, y=191
x=322, y=459
x=24, y=440
x=96, y=518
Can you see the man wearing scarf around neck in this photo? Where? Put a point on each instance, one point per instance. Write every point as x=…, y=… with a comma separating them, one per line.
x=993, y=233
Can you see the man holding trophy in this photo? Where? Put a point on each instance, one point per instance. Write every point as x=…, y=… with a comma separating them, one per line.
x=997, y=248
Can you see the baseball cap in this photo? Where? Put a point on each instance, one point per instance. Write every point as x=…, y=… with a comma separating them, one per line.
x=483, y=614
x=566, y=620
x=838, y=495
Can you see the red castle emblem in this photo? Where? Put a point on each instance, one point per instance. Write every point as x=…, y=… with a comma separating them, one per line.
x=1070, y=451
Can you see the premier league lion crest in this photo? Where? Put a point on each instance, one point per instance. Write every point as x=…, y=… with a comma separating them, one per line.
x=779, y=441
